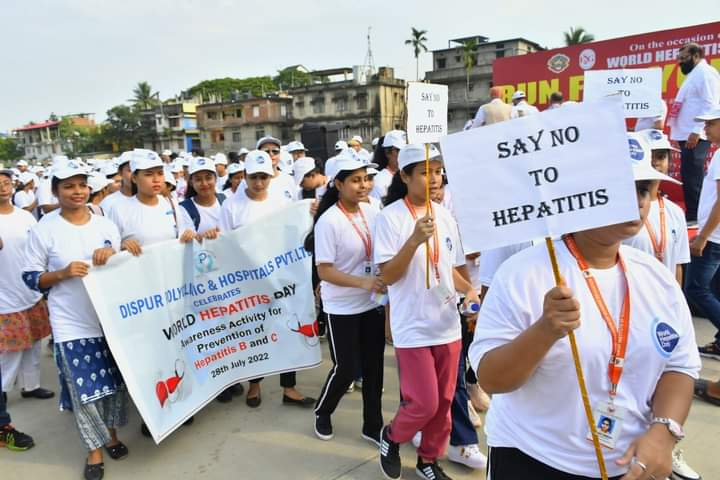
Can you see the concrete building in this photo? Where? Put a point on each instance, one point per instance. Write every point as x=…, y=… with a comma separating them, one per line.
x=466, y=95
x=174, y=127
x=43, y=140
x=365, y=105
x=229, y=126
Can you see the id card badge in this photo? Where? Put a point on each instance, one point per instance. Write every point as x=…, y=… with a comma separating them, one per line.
x=443, y=293
x=608, y=423
x=368, y=268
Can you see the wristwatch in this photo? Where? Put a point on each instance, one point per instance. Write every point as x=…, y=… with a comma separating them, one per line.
x=675, y=429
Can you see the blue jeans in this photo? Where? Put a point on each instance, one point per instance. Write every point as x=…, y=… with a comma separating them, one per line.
x=692, y=169
x=463, y=432
x=698, y=285
x=4, y=415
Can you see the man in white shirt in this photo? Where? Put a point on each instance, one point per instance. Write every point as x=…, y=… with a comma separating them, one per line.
x=494, y=111
x=520, y=106
x=699, y=93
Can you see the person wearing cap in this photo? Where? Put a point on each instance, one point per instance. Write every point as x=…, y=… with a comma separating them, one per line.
x=59, y=252
x=308, y=178
x=297, y=150
x=165, y=156
x=126, y=184
x=251, y=203
x=425, y=322
x=236, y=174
x=355, y=144
x=621, y=303
x=242, y=154
x=22, y=166
x=25, y=195
x=386, y=156
x=169, y=191
x=99, y=189
x=200, y=212
x=705, y=247
x=340, y=146
x=221, y=162
x=521, y=108
x=46, y=200
x=23, y=313
x=372, y=200
x=282, y=186
x=698, y=94
x=341, y=242
x=496, y=110
x=112, y=173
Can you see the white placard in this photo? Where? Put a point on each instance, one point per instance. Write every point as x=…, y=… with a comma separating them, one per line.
x=184, y=322
x=561, y=171
x=427, y=105
x=639, y=88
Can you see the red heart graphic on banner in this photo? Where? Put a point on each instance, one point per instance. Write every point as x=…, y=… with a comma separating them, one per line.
x=162, y=393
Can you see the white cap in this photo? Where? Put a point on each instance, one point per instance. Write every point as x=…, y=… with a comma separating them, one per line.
x=110, y=168
x=57, y=159
x=124, y=158
x=353, y=141
x=302, y=167
x=22, y=163
x=143, y=159
x=169, y=177
x=97, y=181
x=234, y=168
x=268, y=139
x=518, y=95
x=243, y=151
x=26, y=177
x=69, y=169
x=340, y=145
x=220, y=159
x=395, y=138
x=357, y=138
x=657, y=140
x=713, y=114
x=296, y=146
x=415, y=153
x=375, y=141
x=198, y=164
x=347, y=163
x=177, y=167
x=258, y=161
x=166, y=152
x=641, y=157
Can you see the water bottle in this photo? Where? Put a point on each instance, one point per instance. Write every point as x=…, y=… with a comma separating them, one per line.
x=468, y=310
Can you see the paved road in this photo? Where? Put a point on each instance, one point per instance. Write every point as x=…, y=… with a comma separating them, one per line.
x=272, y=442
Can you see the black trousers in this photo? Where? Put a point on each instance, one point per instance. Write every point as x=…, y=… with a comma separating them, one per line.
x=512, y=464
x=287, y=380
x=692, y=169
x=354, y=338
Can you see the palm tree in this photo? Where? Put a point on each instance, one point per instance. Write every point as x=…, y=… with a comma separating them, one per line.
x=417, y=40
x=578, y=35
x=469, y=56
x=143, y=98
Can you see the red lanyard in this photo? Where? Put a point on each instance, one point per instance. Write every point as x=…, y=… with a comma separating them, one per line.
x=619, y=336
x=658, y=247
x=366, y=237
x=435, y=251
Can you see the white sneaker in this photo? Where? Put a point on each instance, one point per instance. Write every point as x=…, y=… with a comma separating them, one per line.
x=351, y=388
x=417, y=439
x=468, y=455
x=682, y=470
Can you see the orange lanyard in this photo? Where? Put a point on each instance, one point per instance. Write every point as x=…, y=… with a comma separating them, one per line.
x=435, y=251
x=619, y=336
x=658, y=247
x=365, y=236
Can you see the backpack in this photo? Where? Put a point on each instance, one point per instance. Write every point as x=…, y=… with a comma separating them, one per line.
x=192, y=210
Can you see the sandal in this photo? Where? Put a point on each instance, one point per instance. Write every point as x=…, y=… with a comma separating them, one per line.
x=701, y=391
x=117, y=451
x=94, y=472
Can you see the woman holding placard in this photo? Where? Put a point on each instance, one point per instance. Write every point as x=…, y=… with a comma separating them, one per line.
x=637, y=347
x=425, y=322
x=59, y=253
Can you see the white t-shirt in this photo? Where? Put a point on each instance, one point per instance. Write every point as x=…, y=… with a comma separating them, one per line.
x=240, y=210
x=53, y=244
x=337, y=243
x=281, y=188
x=545, y=417
x=376, y=203
x=220, y=183
x=708, y=196
x=523, y=109
x=418, y=318
x=677, y=249
x=209, y=218
x=44, y=193
x=490, y=260
x=23, y=199
x=382, y=182
x=144, y=223
x=15, y=296
x=109, y=202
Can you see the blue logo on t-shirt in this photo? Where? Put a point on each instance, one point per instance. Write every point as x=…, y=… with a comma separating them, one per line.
x=449, y=243
x=665, y=338
x=107, y=243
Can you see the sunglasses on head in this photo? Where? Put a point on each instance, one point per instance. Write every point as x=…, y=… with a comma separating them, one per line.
x=272, y=151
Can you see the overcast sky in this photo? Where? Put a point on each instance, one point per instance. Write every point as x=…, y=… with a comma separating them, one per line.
x=68, y=56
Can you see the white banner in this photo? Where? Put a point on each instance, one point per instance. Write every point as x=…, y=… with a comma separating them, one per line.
x=561, y=171
x=184, y=322
x=639, y=88
x=427, y=106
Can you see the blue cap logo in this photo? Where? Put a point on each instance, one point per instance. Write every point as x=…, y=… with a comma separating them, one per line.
x=201, y=161
x=655, y=135
x=260, y=159
x=665, y=338
x=636, y=151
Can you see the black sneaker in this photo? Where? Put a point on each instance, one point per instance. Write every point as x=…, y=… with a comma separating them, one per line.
x=14, y=440
x=389, y=456
x=225, y=396
x=430, y=471
x=323, y=427
x=711, y=350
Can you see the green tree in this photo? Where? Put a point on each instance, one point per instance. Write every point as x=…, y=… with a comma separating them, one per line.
x=225, y=89
x=469, y=58
x=10, y=149
x=79, y=139
x=578, y=35
x=290, y=77
x=417, y=40
x=124, y=129
x=143, y=97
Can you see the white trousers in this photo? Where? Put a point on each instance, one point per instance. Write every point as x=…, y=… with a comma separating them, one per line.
x=22, y=366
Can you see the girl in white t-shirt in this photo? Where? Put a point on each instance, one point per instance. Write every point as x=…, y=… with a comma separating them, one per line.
x=59, y=252
x=236, y=174
x=637, y=347
x=425, y=322
x=200, y=211
x=342, y=247
x=23, y=312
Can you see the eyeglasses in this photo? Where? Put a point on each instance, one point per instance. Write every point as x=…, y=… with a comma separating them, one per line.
x=273, y=151
x=6, y=184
